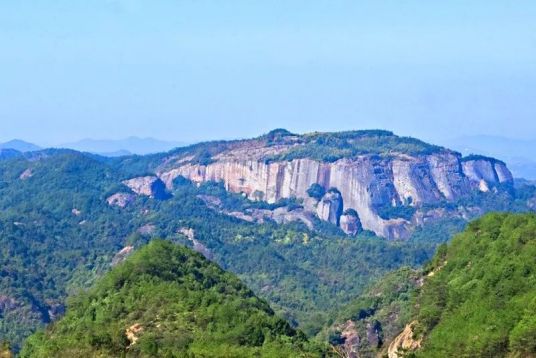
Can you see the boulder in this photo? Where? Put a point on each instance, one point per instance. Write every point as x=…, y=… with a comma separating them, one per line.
x=120, y=199
x=350, y=223
x=150, y=186
x=329, y=208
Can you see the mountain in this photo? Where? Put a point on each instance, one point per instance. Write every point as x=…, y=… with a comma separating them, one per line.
x=19, y=145
x=476, y=298
x=9, y=153
x=378, y=176
x=166, y=300
x=130, y=145
x=66, y=217
x=517, y=153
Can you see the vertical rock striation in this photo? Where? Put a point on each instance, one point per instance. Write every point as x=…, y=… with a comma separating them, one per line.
x=362, y=182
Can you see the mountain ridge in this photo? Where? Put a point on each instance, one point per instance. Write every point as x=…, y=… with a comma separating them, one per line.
x=370, y=168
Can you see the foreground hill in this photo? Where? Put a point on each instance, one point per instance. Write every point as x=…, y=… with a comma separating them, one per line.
x=65, y=215
x=476, y=298
x=166, y=300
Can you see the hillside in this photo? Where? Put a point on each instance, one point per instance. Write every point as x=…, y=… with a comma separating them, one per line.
x=66, y=216
x=476, y=298
x=62, y=221
x=391, y=183
x=166, y=300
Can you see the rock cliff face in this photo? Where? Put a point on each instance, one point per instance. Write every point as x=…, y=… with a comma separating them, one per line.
x=330, y=207
x=349, y=222
x=149, y=186
x=365, y=180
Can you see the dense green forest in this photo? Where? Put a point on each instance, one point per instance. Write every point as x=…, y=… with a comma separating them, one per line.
x=58, y=235
x=475, y=298
x=481, y=299
x=168, y=301
x=330, y=147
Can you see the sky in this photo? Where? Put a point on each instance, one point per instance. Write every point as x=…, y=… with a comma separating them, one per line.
x=191, y=70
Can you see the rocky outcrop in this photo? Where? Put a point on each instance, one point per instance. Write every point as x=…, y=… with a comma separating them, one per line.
x=329, y=208
x=122, y=254
x=133, y=333
x=350, y=223
x=486, y=172
x=197, y=246
x=150, y=186
x=364, y=182
x=7, y=303
x=403, y=343
x=28, y=173
x=147, y=229
x=120, y=199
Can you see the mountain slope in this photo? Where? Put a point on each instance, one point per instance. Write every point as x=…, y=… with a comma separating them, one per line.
x=166, y=300
x=516, y=152
x=111, y=147
x=64, y=216
x=389, y=182
x=481, y=299
x=19, y=145
x=476, y=298
x=58, y=233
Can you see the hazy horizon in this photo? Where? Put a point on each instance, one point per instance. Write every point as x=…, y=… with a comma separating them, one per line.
x=194, y=71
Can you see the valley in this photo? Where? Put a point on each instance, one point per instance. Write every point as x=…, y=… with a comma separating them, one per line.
x=307, y=222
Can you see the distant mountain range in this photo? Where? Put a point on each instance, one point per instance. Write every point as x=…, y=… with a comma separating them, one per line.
x=118, y=147
x=105, y=147
x=517, y=153
x=19, y=145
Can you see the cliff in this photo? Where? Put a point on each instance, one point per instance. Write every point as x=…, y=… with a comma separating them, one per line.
x=370, y=169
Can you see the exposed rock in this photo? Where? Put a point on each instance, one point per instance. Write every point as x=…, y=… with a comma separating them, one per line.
x=211, y=201
x=284, y=216
x=487, y=170
x=26, y=174
x=197, y=246
x=350, y=223
x=55, y=311
x=150, y=186
x=242, y=216
x=483, y=186
x=147, y=229
x=329, y=208
x=188, y=232
x=350, y=347
x=364, y=182
x=532, y=203
x=7, y=303
x=120, y=199
x=133, y=333
x=122, y=255
x=374, y=334
x=403, y=343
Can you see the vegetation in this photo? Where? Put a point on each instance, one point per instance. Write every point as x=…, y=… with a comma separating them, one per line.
x=386, y=306
x=478, y=296
x=330, y=147
x=316, y=191
x=481, y=298
x=58, y=235
x=168, y=301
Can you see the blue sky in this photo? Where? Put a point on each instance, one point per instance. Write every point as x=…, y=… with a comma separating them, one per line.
x=196, y=69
